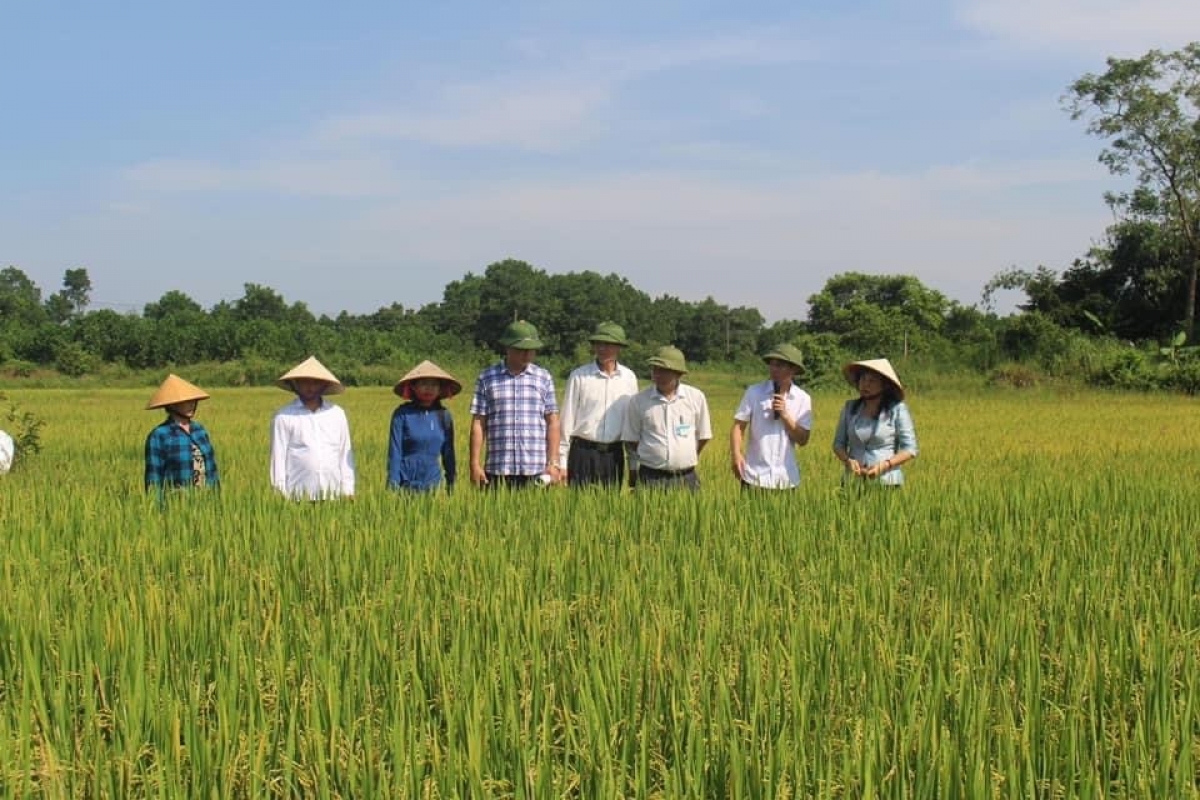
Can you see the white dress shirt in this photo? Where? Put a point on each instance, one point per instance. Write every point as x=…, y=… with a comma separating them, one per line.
x=770, y=454
x=593, y=406
x=310, y=452
x=7, y=452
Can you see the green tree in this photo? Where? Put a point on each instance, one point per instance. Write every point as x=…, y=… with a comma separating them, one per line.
x=20, y=298
x=172, y=303
x=515, y=290
x=585, y=299
x=72, y=299
x=1148, y=110
x=784, y=331
x=260, y=303
x=458, y=313
x=110, y=336
x=907, y=301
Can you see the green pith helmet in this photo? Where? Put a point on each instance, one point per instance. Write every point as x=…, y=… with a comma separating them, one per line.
x=786, y=352
x=609, y=332
x=522, y=336
x=669, y=358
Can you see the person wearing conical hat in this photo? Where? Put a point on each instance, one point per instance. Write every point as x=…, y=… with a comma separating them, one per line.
x=179, y=453
x=666, y=426
x=311, y=454
x=875, y=433
x=593, y=413
x=422, y=431
x=774, y=417
x=514, y=417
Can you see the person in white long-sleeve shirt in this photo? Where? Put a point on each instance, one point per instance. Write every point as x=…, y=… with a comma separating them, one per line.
x=593, y=413
x=8, y=452
x=311, y=454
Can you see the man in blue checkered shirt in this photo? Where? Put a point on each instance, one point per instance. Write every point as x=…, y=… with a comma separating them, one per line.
x=179, y=453
x=514, y=416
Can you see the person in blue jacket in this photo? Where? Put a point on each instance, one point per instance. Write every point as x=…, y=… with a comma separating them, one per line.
x=421, y=445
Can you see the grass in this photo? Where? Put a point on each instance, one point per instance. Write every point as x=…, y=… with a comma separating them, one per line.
x=1020, y=621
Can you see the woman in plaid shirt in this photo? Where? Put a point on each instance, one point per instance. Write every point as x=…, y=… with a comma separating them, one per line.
x=179, y=453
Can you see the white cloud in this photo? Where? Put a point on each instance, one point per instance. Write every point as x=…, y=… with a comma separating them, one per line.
x=533, y=116
x=749, y=48
x=1123, y=28
x=527, y=110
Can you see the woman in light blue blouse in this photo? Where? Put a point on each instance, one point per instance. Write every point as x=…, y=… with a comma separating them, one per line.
x=875, y=433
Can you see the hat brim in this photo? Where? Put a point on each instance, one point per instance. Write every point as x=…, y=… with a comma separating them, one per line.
x=312, y=369
x=769, y=357
x=331, y=387
x=427, y=370
x=173, y=391
x=449, y=387
x=852, y=370
x=524, y=344
x=664, y=365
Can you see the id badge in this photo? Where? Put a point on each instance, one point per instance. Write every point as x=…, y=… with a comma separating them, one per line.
x=683, y=430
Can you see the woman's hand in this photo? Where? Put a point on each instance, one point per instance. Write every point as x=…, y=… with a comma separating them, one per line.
x=854, y=467
x=878, y=469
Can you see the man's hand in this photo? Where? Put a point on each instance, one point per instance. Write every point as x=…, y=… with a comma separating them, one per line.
x=478, y=476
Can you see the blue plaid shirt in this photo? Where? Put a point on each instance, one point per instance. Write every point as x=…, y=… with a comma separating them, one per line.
x=169, y=456
x=514, y=408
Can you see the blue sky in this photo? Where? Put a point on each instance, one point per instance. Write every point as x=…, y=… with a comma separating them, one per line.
x=354, y=155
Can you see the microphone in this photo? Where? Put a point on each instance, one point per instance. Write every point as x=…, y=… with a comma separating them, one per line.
x=775, y=386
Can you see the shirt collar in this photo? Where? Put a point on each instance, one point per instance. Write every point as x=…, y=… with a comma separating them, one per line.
x=680, y=392
x=300, y=404
x=596, y=370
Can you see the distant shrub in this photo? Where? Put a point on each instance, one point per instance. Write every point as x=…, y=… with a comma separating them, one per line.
x=25, y=428
x=18, y=368
x=1016, y=376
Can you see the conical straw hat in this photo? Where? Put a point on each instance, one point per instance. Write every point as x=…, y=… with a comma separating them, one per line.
x=880, y=365
x=310, y=368
x=175, y=390
x=427, y=369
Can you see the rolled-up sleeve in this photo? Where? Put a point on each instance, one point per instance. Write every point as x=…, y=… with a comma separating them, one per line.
x=906, y=433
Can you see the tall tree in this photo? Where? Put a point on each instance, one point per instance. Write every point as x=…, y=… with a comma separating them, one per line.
x=1148, y=110
x=20, y=298
x=515, y=290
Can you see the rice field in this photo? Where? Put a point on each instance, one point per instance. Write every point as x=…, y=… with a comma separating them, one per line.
x=1021, y=621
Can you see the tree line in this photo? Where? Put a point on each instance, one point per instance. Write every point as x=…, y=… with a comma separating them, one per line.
x=855, y=315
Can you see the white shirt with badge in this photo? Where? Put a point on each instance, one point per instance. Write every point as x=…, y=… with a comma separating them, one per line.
x=668, y=431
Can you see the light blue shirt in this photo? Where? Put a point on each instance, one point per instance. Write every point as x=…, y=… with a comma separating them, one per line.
x=871, y=441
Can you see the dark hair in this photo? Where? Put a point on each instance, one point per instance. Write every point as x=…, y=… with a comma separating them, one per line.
x=890, y=396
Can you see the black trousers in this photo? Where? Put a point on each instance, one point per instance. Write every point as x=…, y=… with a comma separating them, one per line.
x=595, y=463
x=662, y=479
x=509, y=481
